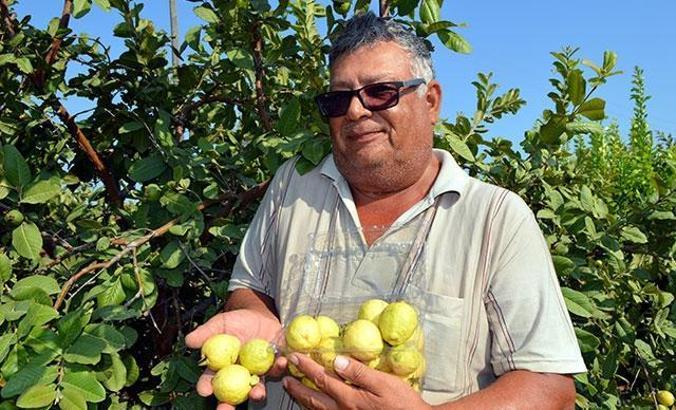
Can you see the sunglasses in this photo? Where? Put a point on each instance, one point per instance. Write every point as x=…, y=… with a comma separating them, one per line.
x=374, y=97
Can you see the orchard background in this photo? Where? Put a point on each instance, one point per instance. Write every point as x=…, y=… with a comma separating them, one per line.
x=119, y=225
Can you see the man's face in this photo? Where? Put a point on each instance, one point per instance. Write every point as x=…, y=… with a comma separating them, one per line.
x=383, y=143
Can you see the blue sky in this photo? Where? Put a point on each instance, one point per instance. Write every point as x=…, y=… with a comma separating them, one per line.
x=512, y=39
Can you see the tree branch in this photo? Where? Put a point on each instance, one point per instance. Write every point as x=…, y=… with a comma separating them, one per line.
x=243, y=199
x=207, y=98
x=38, y=78
x=63, y=24
x=384, y=8
x=101, y=170
x=261, y=99
x=7, y=18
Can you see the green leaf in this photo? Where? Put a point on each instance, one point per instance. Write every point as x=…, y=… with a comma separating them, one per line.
x=576, y=86
x=562, y=264
x=633, y=234
x=661, y=216
x=240, y=58
x=27, y=240
x=104, y=4
x=187, y=369
x=578, y=303
x=133, y=371
x=86, y=384
x=26, y=377
x=114, y=373
x=115, y=341
x=192, y=37
x=315, y=149
x=177, y=204
x=24, y=65
x=37, y=396
x=576, y=128
x=459, y=147
x=72, y=399
x=37, y=315
x=6, y=341
x=16, y=169
x=644, y=350
x=113, y=294
x=153, y=398
x=593, y=109
x=128, y=127
x=71, y=325
x=147, y=168
x=86, y=350
x=6, y=59
x=588, y=342
x=41, y=191
x=429, y=11
x=551, y=131
x=289, y=118
x=81, y=8
x=454, y=41
x=546, y=213
x=5, y=269
x=163, y=131
x=172, y=255
x=48, y=284
x=206, y=14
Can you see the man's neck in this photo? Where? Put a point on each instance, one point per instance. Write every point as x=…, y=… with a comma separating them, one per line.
x=378, y=210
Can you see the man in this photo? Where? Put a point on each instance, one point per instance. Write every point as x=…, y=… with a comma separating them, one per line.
x=474, y=260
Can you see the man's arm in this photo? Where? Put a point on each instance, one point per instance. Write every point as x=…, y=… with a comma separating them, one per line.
x=244, y=298
x=521, y=389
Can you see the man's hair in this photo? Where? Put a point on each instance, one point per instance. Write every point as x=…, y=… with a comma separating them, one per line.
x=366, y=29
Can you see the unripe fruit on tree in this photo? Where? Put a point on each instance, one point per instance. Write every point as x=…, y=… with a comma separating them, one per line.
x=342, y=7
x=14, y=217
x=665, y=398
x=153, y=192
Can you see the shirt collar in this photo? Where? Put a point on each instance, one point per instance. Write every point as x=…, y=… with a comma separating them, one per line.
x=451, y=177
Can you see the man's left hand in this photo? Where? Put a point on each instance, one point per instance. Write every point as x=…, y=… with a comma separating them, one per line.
x=369, y=389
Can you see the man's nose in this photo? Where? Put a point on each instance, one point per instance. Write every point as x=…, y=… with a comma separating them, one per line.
x=356, y=109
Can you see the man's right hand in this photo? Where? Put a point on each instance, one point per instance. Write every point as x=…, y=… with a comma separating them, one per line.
x=246, y=324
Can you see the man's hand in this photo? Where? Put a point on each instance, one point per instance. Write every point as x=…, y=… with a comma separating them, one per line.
x=370, y=389
x=246, y=324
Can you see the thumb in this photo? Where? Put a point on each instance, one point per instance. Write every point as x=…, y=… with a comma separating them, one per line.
x=357, y=373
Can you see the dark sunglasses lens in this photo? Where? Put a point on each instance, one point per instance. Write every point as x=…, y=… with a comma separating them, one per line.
x=380, y=96
x=334, y=104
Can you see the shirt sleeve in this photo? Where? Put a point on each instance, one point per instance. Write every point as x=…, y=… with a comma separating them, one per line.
x=530, y=326
x=256, y=266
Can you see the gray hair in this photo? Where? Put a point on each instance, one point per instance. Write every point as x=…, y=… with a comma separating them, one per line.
x=366, y=29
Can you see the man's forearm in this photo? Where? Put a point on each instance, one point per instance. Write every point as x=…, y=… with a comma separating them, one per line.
x=520, y=389
x=250, y=299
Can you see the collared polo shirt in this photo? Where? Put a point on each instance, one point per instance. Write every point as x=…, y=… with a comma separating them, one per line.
x=483, y=282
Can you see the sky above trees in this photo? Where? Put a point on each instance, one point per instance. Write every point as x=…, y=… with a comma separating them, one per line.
x=510, y=39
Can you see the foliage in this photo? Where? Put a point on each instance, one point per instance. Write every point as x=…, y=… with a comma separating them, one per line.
x=121, y=224
x=606, y=208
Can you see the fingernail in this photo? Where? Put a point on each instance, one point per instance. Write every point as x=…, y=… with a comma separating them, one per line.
x=340, y=363
x=285, y=382
x=294, y=359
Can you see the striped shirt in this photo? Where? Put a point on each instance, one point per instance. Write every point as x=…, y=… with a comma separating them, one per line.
x=482, y=280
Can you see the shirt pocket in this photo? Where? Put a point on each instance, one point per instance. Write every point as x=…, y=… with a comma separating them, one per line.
x=442, y=318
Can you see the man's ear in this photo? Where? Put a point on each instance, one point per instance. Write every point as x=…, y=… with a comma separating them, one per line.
x=433, y=99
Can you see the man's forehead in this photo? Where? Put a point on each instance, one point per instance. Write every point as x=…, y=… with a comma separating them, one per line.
x=385, y=61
